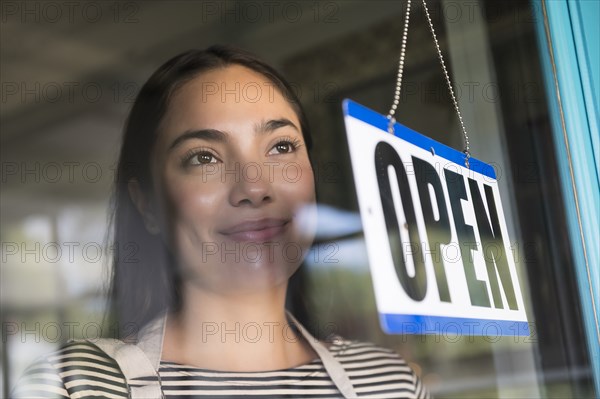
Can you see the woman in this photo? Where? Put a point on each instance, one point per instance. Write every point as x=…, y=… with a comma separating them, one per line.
x=215, y=197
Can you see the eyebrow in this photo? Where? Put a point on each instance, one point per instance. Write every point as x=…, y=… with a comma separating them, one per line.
x=273, y=124
x=222, y=137
x=204, y=134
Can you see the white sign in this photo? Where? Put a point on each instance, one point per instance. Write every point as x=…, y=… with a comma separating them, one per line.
x=436, y=237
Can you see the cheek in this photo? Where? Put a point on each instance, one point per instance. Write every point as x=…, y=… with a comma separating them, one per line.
x=302, y=183
x=299, y=192
x=191, y=201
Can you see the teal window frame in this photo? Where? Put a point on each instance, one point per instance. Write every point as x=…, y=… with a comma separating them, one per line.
x=569, y=39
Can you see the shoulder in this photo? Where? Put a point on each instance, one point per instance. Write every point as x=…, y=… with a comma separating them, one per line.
x=376, y=370
x=77, y=369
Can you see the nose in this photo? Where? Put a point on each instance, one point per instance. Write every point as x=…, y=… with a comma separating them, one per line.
x=251, y=186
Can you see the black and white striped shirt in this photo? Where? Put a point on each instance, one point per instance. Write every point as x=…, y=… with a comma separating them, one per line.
x=81, y=370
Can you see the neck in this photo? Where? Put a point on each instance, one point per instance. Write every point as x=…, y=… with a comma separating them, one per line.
x=234, y=332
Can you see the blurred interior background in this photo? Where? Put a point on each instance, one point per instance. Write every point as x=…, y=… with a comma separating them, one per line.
x=70, y=73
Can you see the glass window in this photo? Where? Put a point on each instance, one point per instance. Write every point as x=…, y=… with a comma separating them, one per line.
x=491, y=51
x=53, y=249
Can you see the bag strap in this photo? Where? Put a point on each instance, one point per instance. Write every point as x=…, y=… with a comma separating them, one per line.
x=332, y=365
x=142, y=360
x=134, y=363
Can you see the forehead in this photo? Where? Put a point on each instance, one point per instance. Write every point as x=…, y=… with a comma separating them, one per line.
x=224, y=97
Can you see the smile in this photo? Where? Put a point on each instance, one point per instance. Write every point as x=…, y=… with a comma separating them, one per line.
x=257, y=231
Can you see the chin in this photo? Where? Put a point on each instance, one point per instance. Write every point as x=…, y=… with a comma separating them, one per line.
x=252, y=270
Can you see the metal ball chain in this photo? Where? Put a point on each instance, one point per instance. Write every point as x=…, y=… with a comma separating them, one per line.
x=392, y=112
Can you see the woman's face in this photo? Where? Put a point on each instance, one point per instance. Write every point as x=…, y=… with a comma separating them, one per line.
x=233, y=186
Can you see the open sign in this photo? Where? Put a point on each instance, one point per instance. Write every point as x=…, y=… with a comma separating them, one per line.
x=436, y=236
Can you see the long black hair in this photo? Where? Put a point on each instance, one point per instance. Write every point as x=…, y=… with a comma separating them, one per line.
x=144, y=277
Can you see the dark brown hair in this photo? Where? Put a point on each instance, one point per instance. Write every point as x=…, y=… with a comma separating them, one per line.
x=144, y=277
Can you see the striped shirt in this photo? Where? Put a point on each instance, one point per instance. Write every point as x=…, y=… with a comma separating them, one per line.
x=81, y=370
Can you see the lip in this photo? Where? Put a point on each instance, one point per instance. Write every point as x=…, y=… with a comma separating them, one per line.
x=256, y=230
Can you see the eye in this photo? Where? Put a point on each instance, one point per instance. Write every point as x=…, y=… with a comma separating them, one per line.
x=203, y=157
x=285, y=146
x=198, y=158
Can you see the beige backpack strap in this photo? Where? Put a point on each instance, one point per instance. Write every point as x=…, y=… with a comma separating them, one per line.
x=332, y=365
x=141, y=360
x=134, y=363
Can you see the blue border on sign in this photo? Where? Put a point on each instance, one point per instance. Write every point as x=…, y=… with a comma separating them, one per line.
x=422, y=324
x=379, y=121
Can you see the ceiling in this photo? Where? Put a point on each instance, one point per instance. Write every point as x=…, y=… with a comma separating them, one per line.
x=70, y=70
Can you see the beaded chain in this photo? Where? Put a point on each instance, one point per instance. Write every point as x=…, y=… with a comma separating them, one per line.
x=396, y=101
